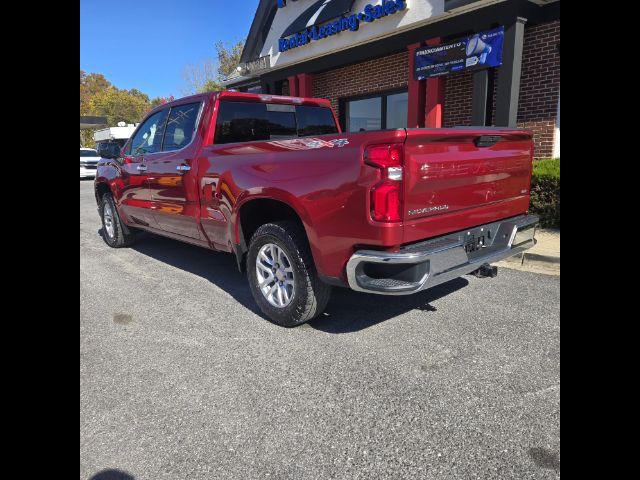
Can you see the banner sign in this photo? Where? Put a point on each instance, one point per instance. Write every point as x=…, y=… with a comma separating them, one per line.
x=482, y=50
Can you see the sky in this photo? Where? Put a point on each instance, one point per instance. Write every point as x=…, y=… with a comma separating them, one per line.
x=145, y=44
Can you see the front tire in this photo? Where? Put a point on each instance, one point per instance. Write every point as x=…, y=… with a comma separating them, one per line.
x=114, y=232
x=282, y=275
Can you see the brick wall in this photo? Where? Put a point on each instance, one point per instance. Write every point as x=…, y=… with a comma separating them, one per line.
x=539, y=85
x=457, y=100
x=385, y=73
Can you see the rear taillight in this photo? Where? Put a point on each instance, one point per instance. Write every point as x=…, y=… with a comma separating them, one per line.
x=386, y=195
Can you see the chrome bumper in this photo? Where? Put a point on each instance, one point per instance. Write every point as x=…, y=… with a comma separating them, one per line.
x=425, y=264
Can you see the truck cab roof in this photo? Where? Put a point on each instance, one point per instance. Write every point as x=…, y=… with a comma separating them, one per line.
x=229, y=95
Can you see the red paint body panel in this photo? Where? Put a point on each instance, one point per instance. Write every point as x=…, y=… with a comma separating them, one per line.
x=444, y=168
x=327, y=185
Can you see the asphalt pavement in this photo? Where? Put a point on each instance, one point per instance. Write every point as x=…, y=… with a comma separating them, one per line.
x=181, y=377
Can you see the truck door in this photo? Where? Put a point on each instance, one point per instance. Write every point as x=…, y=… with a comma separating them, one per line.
x=135, y=200
x=172, y=174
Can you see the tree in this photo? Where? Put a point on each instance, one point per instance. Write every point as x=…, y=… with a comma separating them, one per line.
x=160, y=101
x=90, y=85
x=137, y=93
x=119, y=105
x=211, y=86
x=196, y=76
x=100, y=98
x=228, y=59
x=207, y=76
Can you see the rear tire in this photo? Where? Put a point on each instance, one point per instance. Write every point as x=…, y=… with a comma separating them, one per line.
x=114, y=232
x=280, y=259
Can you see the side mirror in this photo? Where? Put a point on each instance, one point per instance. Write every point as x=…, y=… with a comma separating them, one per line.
x=109, y=150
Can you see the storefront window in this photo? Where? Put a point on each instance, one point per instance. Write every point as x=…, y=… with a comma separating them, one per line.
x=380, y=112
x=397, y=110
x=364, y=114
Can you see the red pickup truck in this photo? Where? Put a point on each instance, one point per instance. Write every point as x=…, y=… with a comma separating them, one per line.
x=304, y=206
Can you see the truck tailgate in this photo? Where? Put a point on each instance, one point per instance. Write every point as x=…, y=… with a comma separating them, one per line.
x=463, y=177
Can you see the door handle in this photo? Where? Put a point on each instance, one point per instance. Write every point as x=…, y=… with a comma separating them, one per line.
x=142, y=168
x=183, y=168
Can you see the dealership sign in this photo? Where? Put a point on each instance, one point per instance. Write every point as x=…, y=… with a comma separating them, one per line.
x=326, y=18
x=482, y=50
x=294, y=31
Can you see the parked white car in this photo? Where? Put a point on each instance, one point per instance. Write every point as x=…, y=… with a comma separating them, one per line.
x=88, y=162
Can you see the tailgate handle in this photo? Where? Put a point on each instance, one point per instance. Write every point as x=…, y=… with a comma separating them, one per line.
x=487, y=140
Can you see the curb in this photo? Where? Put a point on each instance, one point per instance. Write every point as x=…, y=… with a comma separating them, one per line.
x=533, y=262
x=528, y=257
x=543, y=257
x=537, y=257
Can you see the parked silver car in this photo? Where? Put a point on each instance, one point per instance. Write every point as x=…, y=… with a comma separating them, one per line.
x=88, y=162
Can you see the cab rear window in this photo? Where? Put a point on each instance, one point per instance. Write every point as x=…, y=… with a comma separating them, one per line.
x=315, y=121
x=246, y=122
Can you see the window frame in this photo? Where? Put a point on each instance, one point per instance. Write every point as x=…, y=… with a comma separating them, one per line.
x=342, y=105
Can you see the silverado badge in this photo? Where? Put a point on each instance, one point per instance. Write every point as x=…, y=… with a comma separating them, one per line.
x=419, y=211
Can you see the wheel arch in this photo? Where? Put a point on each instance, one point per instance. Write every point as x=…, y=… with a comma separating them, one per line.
x=253, y=211
x=100, y=188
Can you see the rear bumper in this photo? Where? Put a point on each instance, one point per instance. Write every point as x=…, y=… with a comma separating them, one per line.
x=425, y=264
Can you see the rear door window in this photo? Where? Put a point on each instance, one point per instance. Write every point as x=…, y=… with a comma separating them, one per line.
x=241, y=122
x=181, y=126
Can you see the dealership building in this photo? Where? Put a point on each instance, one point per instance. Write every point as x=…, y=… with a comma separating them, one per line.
x=413, y=63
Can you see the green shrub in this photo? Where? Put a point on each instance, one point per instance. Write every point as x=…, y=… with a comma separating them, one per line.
x=545, y=192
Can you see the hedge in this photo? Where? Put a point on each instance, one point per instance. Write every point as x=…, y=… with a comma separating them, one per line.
x=545, y=192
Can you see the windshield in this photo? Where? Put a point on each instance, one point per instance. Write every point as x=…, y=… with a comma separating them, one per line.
x=88, y=153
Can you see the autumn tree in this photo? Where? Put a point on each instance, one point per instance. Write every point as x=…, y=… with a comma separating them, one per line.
x=228, y=58
x=100, y=98
x=160, y=101
x=119, y=105
x=90, y=85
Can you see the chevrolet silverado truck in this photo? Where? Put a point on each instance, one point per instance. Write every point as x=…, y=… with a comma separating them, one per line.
x=304, y=206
